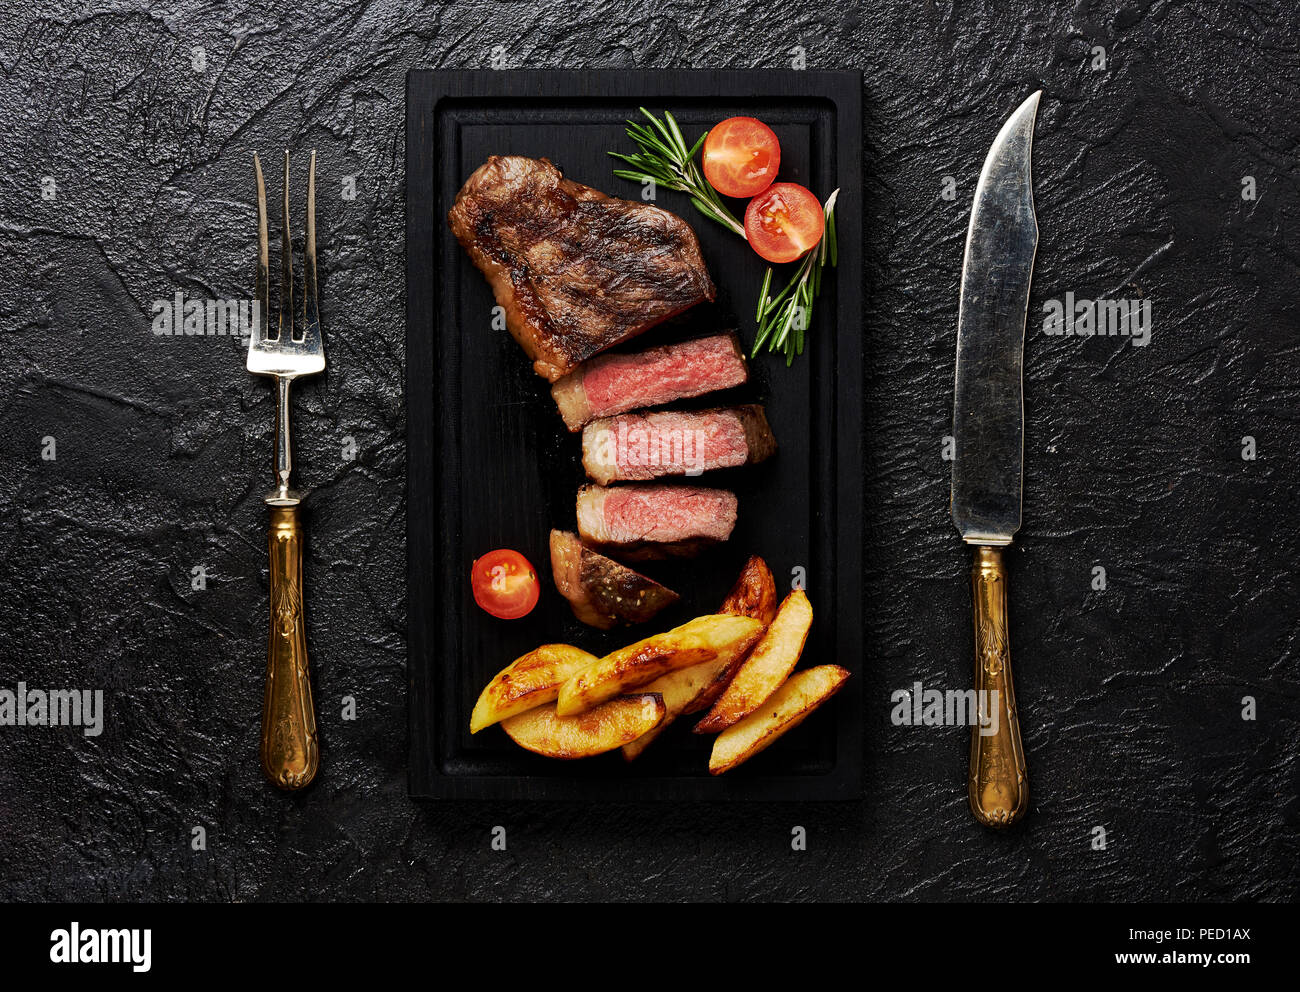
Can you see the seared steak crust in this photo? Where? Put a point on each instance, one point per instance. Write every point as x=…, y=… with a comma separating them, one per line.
x=601, y=591
x=576, y=271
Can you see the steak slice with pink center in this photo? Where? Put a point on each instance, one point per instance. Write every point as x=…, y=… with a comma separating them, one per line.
x=616, y=383
x=640, y=522
x=640, y=446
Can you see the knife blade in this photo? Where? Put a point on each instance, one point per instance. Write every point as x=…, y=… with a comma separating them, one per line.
x=988, y=435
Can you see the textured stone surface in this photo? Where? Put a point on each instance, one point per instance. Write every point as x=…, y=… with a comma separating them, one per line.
x=1130, y=697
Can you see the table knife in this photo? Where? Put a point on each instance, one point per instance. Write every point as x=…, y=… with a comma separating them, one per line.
x=989, y=441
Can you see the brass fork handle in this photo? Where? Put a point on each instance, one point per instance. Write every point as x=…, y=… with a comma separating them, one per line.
x=290, y=752
x=999, y=790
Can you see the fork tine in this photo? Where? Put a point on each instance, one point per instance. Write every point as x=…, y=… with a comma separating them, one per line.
x=310, y=310
x=262, y=288
x=286, y=263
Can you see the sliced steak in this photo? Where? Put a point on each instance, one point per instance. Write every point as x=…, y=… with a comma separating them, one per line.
x=640, y=446
x=601, y=591
x=640, y=522
x=576, y=271
x=617, y=383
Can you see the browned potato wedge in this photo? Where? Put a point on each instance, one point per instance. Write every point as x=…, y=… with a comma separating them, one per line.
x=767, y=666
x=610, y=725
x=680, y=689
x=533, y=680
x=754, y=594
x=701, y=639
x=788, y=707
x=709, y=695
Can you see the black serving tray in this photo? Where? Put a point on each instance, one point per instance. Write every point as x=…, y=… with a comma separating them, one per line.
x=491, y=465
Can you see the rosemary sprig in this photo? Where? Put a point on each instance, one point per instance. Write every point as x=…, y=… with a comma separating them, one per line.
x=783, y=319
x=666, y=160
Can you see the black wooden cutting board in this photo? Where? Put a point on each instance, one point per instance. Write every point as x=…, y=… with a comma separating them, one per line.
x=491, y=465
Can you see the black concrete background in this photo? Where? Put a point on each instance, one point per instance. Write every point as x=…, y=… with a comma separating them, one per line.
x=1131, y=697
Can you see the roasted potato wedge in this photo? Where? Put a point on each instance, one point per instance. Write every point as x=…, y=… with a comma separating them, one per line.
x=680, y=690
x=632, y=667
x=530, y=681
x=709, y=695
x=610, y=725
x=784, y=710
x=754, y=594
x=768, y=665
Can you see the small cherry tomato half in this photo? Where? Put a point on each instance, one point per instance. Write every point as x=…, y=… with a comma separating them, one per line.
x=505, y=584
x=741, y=157
x=784, y=222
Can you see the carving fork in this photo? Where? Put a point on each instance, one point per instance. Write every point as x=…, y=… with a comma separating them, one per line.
x=290, y=752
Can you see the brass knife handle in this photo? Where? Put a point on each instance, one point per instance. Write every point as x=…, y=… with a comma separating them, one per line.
x=999, y=790
x=290, y=753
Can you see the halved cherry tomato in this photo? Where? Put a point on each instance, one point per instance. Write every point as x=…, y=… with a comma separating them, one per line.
x=784, y=222
x=741, y=157
x=505, y=584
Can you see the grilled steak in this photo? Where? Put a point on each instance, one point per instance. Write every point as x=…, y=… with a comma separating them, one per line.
x=576, y=271
x=639, y=446
x=654, y=521
x=616, y=383
x=601, y=591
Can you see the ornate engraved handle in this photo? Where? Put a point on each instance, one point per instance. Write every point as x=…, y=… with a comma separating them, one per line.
x=290, y=754
x=999, y=791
